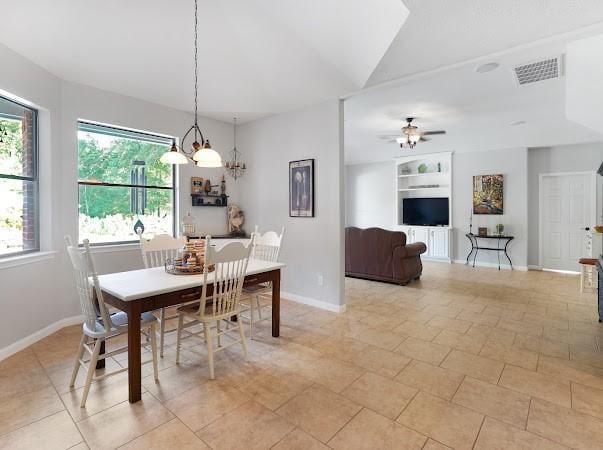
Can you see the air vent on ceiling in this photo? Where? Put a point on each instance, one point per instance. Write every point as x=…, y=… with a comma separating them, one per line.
x=538, y=71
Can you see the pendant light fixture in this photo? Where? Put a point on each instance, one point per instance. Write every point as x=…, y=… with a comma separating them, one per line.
x=235, y=167
x=200, y=153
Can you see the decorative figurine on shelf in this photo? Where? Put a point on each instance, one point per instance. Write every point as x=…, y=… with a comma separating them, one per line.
x=236, y=220
x=207, y=186
x=223, y=186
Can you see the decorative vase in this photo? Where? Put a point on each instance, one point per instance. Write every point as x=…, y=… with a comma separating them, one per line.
x=500, y=228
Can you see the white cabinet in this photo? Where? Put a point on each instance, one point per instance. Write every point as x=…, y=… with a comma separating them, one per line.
x=439, y=243
x=437, y=240
x=421, y=234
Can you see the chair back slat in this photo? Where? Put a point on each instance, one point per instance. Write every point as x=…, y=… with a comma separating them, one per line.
x=160, y=248
x=84, y=271
x=227, y=279
x=267, y=246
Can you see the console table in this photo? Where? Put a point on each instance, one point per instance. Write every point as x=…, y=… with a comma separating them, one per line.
x=475, y=247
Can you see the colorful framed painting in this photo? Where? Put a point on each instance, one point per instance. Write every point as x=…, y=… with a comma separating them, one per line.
x=488, y=193
x=301, y=188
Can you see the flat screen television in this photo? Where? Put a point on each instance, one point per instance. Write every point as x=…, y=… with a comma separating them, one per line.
x=425, y=211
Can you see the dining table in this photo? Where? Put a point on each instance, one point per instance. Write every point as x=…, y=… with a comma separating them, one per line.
x=137, y=291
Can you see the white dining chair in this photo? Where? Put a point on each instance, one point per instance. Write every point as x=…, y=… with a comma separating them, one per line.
x=100, y=326
x=155, y=252
x=266, y=247
x=229, y=265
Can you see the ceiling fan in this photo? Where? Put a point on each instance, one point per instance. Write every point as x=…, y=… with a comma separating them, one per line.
x=410, y=135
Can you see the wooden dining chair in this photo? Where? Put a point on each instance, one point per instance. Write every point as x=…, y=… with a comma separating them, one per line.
x=229, y=265
x=100, y=326
x=155, y=252
x=266, y=247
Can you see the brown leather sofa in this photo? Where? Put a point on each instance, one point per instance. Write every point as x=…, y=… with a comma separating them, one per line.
x=382, y=255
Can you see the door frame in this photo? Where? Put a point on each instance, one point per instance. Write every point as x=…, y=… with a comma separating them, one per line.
x=593, y=201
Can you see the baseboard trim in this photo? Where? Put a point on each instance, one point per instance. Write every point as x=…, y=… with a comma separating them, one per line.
x=492, y=265
x=532, y=267
x=41, y=334
x=313, y=302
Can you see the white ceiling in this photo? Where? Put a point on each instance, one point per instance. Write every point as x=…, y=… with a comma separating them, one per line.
x=257, y=57
x=442, y=32
x=475, y=109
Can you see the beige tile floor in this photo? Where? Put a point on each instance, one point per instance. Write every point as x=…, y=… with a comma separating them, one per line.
x=466, y=358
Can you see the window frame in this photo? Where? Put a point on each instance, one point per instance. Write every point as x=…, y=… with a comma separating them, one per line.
x=173, y=186
x=35, y=179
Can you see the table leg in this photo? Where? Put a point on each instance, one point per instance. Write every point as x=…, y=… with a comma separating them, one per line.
x=134, y=362
x=475, y=255
x=276, y=304
x=507, y=255
x=498, y=252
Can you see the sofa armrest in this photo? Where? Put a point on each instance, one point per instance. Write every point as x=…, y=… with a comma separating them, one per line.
x=415, y=249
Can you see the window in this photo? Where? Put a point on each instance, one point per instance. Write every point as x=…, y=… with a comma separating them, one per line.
x=19, y=230
x=123, y=187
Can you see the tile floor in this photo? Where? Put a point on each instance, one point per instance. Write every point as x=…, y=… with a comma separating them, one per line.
x=466, y=358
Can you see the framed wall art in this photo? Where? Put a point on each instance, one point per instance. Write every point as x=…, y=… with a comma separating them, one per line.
x=301, y=188
x=488, y=194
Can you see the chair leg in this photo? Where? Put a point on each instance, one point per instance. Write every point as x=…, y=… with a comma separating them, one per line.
x=210, y=349
x=179, y=336
x=251, y=318
x=219, y=329
x=257, y=301
x=91, y=369
x=76, y=367
x=161, y=330
x=153, y=334
x=243, y=340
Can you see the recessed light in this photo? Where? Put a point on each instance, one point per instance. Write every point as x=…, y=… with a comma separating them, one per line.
x=518, y=122
x=488, y=67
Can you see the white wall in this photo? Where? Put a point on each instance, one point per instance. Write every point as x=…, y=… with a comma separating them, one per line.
x=312, y=247
x=370, y=195
x=565, y=158
x=512, y=163
x=584, y=91
x=42, y=293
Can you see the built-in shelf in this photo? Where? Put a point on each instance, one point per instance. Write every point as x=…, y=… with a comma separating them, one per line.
x=406, y=175
x=425, y=176
x=423, y=188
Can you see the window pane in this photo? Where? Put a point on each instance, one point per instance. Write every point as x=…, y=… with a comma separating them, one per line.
x=109, y=213
x=116, y=159
x=17, y=133
x=17, y=216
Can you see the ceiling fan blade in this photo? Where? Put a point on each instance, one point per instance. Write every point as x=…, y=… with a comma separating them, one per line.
x=388, y=136
x=431, y=133
x=424, y=139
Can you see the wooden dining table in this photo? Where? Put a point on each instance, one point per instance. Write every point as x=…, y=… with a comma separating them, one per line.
x=138, y=291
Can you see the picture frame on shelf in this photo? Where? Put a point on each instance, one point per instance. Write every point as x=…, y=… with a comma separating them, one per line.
x=482, y=231
x=301, y=188
x=197, y=185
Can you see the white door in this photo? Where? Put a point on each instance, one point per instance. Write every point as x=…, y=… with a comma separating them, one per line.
x=567, y=207
x=438, y=243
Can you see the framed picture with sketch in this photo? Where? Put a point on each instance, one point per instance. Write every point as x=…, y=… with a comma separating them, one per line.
x=301, y=188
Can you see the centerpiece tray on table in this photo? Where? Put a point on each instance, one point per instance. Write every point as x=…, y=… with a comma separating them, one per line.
x=190, y=261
